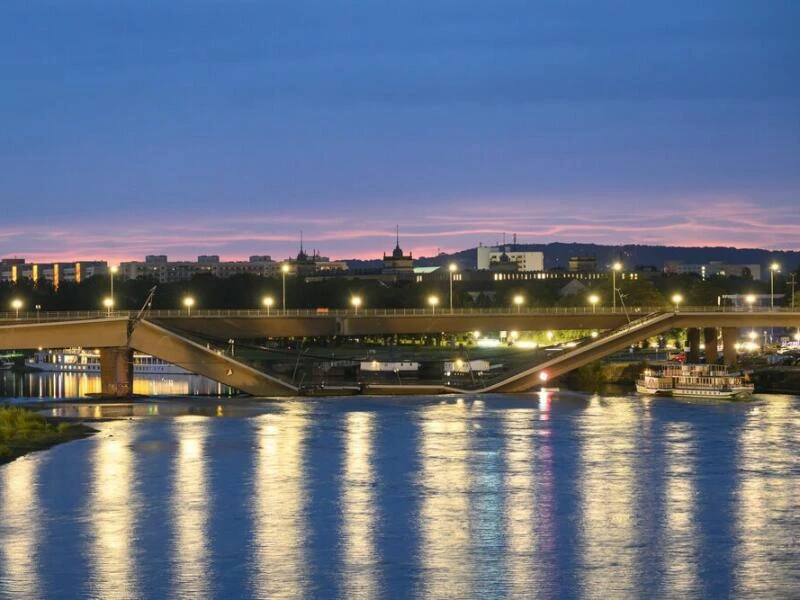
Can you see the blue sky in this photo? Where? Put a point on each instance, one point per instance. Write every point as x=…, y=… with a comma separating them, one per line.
x=194, y=127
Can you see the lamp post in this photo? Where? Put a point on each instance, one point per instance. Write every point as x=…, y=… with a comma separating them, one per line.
x=38, y=308
x=109, y=304
x=356, y=302
x=452, y=268
x=750, y=299
x=772, y=269
x=617, y=266
x=16, y=304
x=593, y=300
x=112, y=271
x=268, y=302
x=518, y=300
x=433, y=301
x=284, y=271
x=676, y=300
x=188, y=302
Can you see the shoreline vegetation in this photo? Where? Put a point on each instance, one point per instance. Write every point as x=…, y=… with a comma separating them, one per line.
x=23, y=431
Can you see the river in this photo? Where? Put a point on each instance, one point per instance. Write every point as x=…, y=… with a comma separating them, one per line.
x=550, y=496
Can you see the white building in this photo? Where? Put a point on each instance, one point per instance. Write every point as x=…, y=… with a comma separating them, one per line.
x=525, y=261
x=161, y=269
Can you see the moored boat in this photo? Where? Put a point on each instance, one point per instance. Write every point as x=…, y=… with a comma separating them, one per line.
x=78, y=360
x=692, y=381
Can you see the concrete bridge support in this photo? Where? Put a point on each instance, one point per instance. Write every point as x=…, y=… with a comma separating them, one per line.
x=730, y=336
x=116, y=372
x=693, y=338
x=710, y=340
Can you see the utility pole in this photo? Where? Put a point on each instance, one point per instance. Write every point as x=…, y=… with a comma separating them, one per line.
x=793, y=282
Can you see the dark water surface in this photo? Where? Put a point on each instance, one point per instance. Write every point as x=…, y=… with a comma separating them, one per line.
x=502, y=496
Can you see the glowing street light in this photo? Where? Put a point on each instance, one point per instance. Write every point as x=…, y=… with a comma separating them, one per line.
x=453, y=267
x=617, y=266
x=750, y=299
x=519, y=300
x=433, y=301
x=268, y=301
x=773, y=268
x=284, y=271
x=188, y=302
x=676, y=300
x=109, y=304
x=356, y=302
x=16, y=304
x=112, y=271
x=593, y=300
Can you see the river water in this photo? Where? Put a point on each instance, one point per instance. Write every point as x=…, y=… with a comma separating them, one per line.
x=550, y=496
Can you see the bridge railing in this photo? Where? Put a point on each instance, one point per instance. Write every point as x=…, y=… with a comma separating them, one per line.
x=632, y=312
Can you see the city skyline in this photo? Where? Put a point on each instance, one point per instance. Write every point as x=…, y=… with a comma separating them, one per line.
x=134, y=129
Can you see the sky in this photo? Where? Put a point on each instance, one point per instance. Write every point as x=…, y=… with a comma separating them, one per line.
x=188, y=127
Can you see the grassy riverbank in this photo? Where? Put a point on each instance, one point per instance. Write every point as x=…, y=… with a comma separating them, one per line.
x=22, y=431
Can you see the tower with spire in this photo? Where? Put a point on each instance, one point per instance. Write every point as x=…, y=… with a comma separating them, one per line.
x=397, y=263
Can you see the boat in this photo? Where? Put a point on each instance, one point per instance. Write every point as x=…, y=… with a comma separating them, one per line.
x=692, y=381
x=78, y=360
x=6, y=364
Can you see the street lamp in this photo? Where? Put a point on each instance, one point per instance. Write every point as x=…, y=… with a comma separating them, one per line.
x=617, y=266
x=676, y=300
x=452, y=268
x=433, y=301
x=750, y=299
x=593, y=300
x=38, y=308
x=773, y=268
x=188, y=302
x=108, y=303
x=268, y=302
x=518, y=300
x=112, y=271
x=356, y=302
x=284, y=271
x=16, y=304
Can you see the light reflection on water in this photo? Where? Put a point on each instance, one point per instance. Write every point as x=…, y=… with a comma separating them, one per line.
x=111, y=510
x=358, y=507
x=504, y=497
x=280, y=527
x=47, y=385
x=19, y=529
x=191, y=506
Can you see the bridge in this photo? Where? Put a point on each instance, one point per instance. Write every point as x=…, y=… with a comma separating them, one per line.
x=172, y=336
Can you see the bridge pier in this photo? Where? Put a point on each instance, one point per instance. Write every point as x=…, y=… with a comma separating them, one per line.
x=710, y=340
x=116, y=372
x=693, y=337
x=730, y=336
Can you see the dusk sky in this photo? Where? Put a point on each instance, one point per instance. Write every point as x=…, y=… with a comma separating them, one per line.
x=191, y=127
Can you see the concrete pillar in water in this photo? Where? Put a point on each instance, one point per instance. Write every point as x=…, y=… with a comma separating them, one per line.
x=710, y=340
x=693, y=337
x=730, y=336
x=116, y=372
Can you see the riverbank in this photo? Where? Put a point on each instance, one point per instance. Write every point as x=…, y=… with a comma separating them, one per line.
x=22, y=431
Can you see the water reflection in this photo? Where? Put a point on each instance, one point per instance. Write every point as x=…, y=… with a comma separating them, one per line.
x=111, y=510
x=680, y=546
x=190, y=509
x=522, y=562
x=358, y=507
x=19, y=529
x=279, y=506
x=444, y=485
x=768, y=508
x=46, y=385
x=608, y=433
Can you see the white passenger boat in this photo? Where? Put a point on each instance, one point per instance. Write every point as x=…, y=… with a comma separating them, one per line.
x=692, y=381
x=77, y=360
